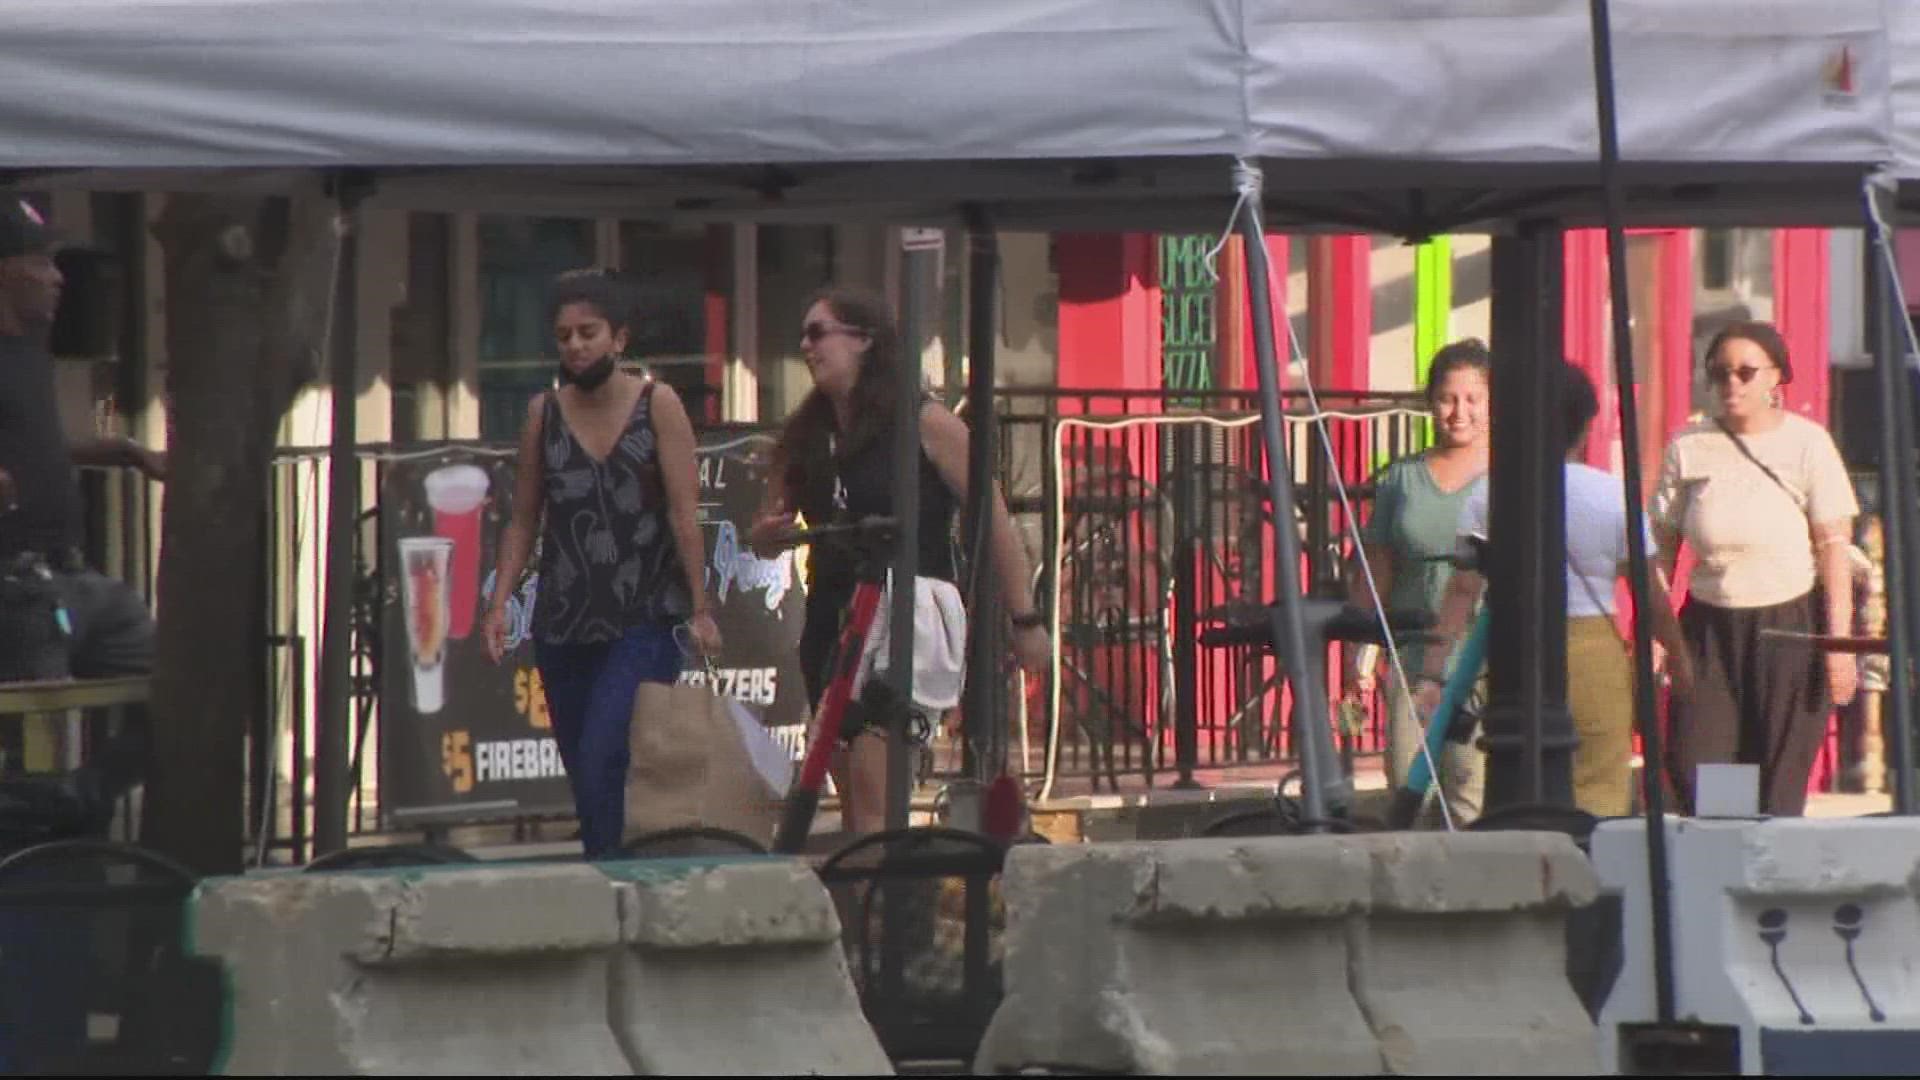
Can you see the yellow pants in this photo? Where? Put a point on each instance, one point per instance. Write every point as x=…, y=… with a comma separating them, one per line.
x=1600, y=697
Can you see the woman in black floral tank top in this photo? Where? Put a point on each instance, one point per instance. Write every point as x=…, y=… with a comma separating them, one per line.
x=606, y=470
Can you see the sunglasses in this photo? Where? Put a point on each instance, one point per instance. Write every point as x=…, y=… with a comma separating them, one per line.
x=814, y=331
x=1745, y=374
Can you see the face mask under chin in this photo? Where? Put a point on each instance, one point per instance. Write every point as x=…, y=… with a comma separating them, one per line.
x=590, y=379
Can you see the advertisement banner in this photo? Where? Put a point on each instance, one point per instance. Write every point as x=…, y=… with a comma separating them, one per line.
x=464, y=739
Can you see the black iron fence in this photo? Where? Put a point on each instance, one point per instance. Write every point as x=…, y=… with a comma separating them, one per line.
x=1144, y=515
x=281, y=749
x=1147, y=515
x=94, y=978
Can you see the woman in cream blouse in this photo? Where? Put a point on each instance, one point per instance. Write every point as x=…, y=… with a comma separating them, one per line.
x=1762, y=498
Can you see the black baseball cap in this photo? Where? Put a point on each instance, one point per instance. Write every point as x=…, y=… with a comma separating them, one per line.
x=23, y=229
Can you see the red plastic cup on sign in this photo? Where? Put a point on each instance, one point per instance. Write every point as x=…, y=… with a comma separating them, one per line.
x=456, y=493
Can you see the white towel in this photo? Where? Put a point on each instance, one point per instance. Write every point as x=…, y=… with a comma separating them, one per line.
x=939, y=644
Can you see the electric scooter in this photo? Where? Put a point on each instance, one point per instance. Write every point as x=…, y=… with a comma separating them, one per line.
x=872, y=539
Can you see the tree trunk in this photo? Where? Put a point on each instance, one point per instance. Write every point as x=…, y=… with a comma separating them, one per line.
x=246, y=287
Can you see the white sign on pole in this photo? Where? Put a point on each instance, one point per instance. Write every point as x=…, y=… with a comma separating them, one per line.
x=922, y=239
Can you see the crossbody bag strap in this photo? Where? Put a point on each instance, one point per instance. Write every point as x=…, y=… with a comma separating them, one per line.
x=1747, y=452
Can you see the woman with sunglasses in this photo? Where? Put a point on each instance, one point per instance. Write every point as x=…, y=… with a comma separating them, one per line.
x=607, y=463
x=1762, y=498
x=834, y=462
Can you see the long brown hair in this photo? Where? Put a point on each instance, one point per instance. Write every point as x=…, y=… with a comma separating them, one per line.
x=806, y=431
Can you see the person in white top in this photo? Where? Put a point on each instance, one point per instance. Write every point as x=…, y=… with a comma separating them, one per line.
x=1762, y=498
x=1599, y=671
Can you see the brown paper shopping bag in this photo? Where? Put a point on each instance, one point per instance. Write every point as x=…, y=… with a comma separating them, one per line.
x=690, y=765
x=740, y=797
x=667, y=756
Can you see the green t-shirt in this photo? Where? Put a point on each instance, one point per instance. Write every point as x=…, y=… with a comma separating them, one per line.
x=1418, y=523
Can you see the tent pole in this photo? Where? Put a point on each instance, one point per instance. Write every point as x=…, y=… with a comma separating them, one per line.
x=1528, y=729
x=983, y=745
x=1319, y=769
x=1884, y=312
x=919, y=265
x=1638, y=574
x=334, y=722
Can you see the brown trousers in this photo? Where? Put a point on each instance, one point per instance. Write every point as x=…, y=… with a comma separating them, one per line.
x=1756, y=701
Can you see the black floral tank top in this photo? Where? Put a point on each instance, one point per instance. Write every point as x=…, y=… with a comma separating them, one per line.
x=607, y=558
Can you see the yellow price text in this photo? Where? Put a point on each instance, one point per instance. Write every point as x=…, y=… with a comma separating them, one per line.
x=530, y=699
x=456, y=760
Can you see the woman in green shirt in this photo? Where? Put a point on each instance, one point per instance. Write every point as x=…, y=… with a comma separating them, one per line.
x=1415, y=524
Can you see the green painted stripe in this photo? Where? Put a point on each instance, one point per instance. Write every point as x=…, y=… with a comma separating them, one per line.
x=1433, y=302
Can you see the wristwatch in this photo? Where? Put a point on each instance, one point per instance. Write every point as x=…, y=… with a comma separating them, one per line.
x=1029, y=620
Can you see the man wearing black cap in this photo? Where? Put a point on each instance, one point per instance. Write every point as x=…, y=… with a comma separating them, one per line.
x=57, y=616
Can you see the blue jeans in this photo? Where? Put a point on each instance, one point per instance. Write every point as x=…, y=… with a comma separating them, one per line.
x=590, y=691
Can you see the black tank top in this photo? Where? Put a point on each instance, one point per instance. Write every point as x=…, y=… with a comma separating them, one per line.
x=848, y=486
x=607, y=559
x=34, y=451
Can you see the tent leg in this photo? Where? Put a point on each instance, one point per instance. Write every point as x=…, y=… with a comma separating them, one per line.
x=1529, y=732
x=1324, y=789
x=1653, y=796
x=983, y=741
x=334, y=722
x=1897, y=495
x=919, y=266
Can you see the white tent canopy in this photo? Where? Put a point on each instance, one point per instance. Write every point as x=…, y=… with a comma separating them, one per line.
x=1903, y=18
x=1389, y=114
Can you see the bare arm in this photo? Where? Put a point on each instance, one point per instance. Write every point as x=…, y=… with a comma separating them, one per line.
x=1666, y=629
x=775, y=514
x=118, y=452
x=1665, y=511
x=945, y=438
x=1666, y=556
x=1378, y=558
x=1456, y=611
x=1830, y=541
x=680, y=475
x=516, y=544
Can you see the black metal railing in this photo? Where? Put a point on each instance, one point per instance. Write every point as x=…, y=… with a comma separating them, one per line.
x=923, y=923
x=1154, y=521
x=280, y=816
x=1144, y=509
x=94, y=976
x=1146, y=516
x=1157, y=515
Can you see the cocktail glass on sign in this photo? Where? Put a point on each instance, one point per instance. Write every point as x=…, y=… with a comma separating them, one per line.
x=456, y=494
x=423, y=595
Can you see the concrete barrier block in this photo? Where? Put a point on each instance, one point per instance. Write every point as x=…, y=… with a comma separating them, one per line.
x=690, y=904
x=1461, y=965
x=482, y=970
x=735, y=967
x=564, y=908
x=1195, y=956
x=1801, y=934
x=1435, y=873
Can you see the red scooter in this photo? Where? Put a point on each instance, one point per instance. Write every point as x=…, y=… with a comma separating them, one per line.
x=871, y=537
